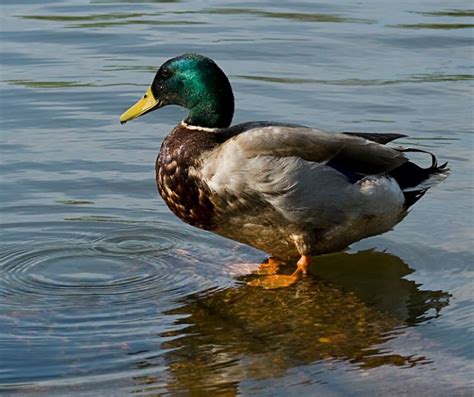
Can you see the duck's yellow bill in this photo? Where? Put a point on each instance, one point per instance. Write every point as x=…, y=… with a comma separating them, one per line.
x=144, y=105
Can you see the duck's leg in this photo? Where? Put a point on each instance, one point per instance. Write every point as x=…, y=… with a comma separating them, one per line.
x=281, y=280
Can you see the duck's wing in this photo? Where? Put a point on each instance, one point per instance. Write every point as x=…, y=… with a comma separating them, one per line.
x=308, y=176
x=354, y=155
x=359, y=153
x=382, y=138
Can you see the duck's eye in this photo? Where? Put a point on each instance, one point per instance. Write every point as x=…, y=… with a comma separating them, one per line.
x=165, y=73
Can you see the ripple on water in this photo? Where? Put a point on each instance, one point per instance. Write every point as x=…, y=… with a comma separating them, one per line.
x=74, y=305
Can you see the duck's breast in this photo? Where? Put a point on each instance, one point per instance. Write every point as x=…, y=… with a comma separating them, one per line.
x=183, y=191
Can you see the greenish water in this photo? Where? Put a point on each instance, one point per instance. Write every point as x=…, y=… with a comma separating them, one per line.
x=104, y=293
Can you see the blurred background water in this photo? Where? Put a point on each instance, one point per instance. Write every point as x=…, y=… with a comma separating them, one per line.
x=104, y=293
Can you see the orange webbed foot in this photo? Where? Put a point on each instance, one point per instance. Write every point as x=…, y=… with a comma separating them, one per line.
x=280, y=280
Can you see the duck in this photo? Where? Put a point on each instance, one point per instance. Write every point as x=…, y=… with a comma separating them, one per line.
x=289, y=190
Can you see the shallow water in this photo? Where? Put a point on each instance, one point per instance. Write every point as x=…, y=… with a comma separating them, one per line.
x=104, y=292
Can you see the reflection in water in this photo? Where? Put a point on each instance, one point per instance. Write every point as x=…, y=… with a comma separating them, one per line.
x=442, y=26
x=413, y=79
x=449, y=13
x=353, y=304
x=109, y=20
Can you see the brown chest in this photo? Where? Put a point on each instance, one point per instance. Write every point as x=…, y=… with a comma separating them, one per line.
x=183, y=192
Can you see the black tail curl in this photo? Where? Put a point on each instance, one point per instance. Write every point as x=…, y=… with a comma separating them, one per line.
x=415, y=180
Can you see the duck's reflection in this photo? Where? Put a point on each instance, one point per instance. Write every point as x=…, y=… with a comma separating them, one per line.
x=351, y=305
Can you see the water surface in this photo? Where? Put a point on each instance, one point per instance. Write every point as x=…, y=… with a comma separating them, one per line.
x=103, y=292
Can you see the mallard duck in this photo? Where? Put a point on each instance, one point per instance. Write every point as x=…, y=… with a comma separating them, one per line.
x=288, y=190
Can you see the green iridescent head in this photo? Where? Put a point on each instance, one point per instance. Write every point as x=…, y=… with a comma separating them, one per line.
x=194, y=82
